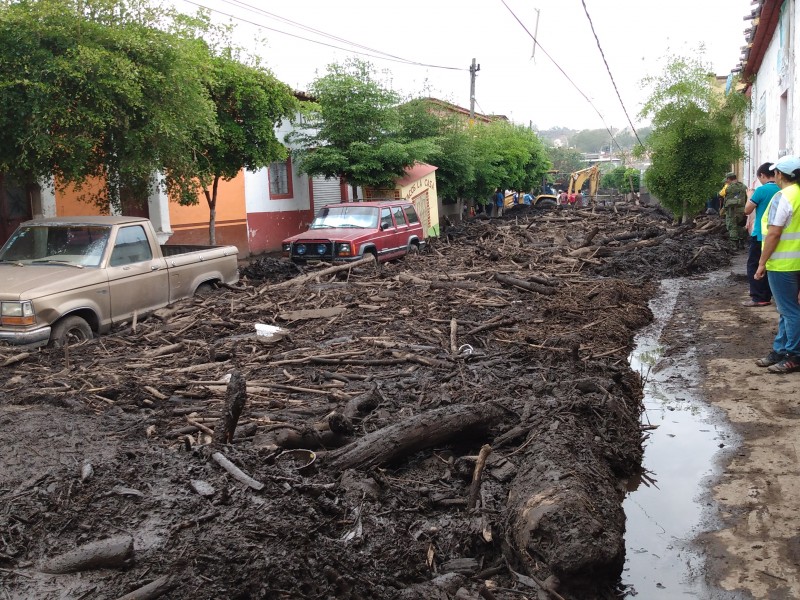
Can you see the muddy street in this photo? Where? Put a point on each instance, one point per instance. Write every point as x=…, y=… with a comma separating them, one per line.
x=459, y=424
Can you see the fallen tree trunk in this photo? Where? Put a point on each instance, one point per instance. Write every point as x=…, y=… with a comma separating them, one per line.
x=367, y=260
x=113, y=552
x=152, y=590
x=443, y=285
x=420, y=431
x=565, y=509
x=525, y=285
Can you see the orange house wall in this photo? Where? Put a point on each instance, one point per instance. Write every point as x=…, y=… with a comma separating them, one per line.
x=69, y=203
x=190, y=223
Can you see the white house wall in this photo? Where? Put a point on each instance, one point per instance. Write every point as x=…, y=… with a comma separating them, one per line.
x=271, y=220
x=773, y=79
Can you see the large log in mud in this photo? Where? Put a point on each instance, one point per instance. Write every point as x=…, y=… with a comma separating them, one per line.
x=565, y=504
x=421, y=431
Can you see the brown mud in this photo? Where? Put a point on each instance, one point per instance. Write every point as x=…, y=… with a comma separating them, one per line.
x=470, y=409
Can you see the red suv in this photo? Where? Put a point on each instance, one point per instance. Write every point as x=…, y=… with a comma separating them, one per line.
x=347, y=232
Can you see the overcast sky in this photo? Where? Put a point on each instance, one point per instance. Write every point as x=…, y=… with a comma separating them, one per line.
x=445, y=35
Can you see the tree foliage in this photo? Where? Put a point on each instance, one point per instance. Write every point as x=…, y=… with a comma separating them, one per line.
x=94, y=88
x=696, y=135
x=123, y=91
x=451, y=142
x=249, y=102
x=352, y=129
x=507, y=156
x=565, y=160
x=621, y=179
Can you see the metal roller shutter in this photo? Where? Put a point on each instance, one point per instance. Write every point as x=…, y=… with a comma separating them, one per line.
x=326, y=191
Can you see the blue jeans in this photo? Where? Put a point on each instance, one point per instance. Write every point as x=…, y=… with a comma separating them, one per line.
x=785, y=286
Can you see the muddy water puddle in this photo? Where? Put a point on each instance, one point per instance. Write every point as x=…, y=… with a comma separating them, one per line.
x=667, y=508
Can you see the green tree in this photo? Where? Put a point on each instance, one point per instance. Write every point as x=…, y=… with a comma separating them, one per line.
x=621, y=179
x=565, y=160
x=695, y=137
x=352, y=129
x=451, y=141
x=507, y=156
x=93, y=89
x=249, y=103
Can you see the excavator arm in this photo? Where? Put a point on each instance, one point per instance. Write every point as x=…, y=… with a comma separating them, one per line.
x=578, y=178
x=576, y=181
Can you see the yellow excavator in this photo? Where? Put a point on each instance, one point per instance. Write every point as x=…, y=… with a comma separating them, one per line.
x=575, y=184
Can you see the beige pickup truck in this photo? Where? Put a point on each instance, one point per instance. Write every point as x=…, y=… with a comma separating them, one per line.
x=63, y=280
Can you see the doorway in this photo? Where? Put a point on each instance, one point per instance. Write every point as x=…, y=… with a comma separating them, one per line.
x=15, y=206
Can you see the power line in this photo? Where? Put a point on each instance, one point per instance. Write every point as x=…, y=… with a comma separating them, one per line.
x=622, y=104
x=372, y=53
x=563, y=72
x=256, y=9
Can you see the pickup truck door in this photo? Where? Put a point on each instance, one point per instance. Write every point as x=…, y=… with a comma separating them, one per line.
x=137, y=280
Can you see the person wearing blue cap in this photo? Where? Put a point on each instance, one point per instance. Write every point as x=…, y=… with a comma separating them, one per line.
x=780, y=263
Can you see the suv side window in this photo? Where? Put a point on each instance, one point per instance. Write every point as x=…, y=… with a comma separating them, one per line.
x=131, y=247
x=386, y=219
x=411, y=214
x=399, y=216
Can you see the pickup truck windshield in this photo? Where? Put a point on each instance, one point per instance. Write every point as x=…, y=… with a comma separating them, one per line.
x=75, y=245
x=346, y=216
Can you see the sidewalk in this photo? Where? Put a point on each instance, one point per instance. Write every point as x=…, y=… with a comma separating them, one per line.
x=755, y=548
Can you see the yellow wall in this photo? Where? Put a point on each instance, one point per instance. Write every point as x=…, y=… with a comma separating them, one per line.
x=423, y=194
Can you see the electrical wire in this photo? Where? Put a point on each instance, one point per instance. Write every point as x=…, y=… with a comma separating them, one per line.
x=599, y=47
x=377, y=54
x=564, y=73
x=257, y=10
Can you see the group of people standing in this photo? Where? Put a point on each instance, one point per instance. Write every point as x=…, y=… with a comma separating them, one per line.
x=497, y=203
x=572, y=200
x=773, y=262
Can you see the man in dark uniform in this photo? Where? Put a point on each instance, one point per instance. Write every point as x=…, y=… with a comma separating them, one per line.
x=735, y=198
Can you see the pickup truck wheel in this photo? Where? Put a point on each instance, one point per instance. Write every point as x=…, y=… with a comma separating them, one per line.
x=71, y=330
x=204, y=289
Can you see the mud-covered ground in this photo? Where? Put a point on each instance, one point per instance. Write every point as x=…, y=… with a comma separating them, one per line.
x=470, y=409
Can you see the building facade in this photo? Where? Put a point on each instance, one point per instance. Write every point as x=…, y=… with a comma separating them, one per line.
x=770, y=74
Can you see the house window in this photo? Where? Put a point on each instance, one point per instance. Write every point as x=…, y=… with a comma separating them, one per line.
x=280, y=179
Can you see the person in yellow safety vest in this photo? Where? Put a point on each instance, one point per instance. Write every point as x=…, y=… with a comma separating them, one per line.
x=780, y=263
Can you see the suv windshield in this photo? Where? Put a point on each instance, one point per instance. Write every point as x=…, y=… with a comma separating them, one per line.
x=346, y=216
x=76, y=245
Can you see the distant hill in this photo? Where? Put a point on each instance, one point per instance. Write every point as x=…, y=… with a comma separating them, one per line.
x=593, y=140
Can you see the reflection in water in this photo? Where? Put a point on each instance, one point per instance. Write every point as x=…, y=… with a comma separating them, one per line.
x=662, y=509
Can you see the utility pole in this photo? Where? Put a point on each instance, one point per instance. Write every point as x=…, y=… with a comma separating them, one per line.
x=535, y=35
x=473, y=70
